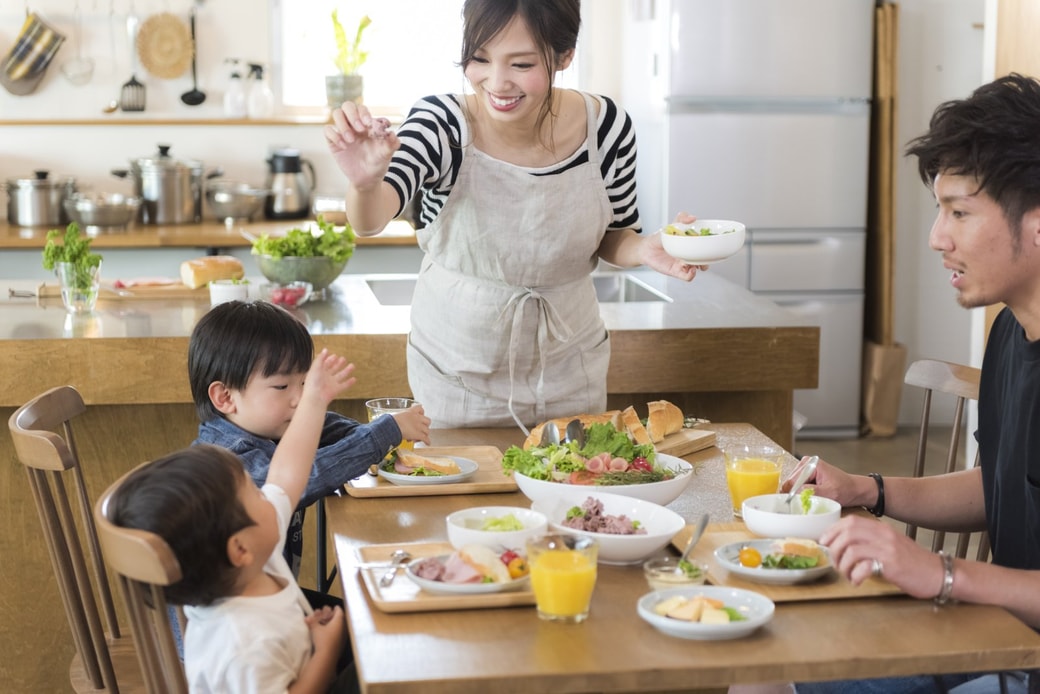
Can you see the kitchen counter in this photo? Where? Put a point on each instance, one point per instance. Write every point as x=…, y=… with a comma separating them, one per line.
x=209, y=234
x=716, y=349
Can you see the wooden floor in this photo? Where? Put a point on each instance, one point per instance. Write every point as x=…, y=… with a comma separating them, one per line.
x=35, y=643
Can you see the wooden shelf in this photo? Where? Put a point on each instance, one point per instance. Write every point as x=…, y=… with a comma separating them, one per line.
x=123, y=119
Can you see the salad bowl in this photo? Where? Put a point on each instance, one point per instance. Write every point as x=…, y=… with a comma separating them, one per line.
x=765, y=516
x=663, y=492
x=704, y=241
x=494, y=526
x=661, y=524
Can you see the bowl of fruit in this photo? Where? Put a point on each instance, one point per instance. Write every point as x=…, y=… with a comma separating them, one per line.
x=288, y=295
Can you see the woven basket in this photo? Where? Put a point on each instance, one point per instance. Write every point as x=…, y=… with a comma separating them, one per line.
x=164, y=45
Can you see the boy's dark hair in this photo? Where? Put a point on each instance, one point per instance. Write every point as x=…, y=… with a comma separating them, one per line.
x=236, y=340
x=190, y=499
x=994, y=136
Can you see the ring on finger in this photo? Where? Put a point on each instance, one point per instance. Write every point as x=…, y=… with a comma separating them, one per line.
x=876, y=568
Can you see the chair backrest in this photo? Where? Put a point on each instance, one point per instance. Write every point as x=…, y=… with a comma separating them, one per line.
x=962, y=383
x=143, y=564
x=43, y=441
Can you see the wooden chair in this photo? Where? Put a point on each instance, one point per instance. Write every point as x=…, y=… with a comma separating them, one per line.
x=43, y=441
x=144, y=564
x=962, y=383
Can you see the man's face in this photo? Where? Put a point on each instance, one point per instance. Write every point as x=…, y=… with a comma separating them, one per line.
x=990, y=263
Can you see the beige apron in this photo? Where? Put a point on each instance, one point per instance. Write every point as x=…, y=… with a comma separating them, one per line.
x=505, y=323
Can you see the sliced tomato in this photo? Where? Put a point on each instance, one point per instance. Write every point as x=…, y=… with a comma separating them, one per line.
x=582, y=477
x=641, y=463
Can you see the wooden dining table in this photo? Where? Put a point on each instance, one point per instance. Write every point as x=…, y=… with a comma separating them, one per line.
x=509, y=649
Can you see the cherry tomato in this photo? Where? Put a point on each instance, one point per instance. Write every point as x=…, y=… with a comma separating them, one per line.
x=750, y=557
x=517, y=567
x=641, y=463
x=508, y=556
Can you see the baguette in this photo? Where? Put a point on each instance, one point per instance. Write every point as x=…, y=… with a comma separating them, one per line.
x=663, y=419
x=201, y=271
x=635, y=427
x=611, y=417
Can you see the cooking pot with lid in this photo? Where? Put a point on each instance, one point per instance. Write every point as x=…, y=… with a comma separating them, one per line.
x=170, y=189
x=39, y=200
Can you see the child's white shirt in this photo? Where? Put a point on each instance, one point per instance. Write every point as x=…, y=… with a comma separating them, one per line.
x=251, y=644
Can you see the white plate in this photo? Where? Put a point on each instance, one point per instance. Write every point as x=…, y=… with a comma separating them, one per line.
x=757, y=608
x=727, y=556
x=459, y=588
x=663, y=492
x=467, y=466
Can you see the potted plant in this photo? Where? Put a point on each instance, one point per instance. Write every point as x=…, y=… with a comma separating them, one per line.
x=77, y=267
x=347, y=84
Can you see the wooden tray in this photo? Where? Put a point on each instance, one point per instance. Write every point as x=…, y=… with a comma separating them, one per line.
x=160, y=291
x=486, y=480
x=833, y=587
x=686, y=441
x=405, y=596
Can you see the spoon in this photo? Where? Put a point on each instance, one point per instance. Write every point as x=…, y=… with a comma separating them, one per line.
x=702, y=523
x=398, y=557
x=550, y=435
x=807, y=471
x=111, y=107
x=575, y=432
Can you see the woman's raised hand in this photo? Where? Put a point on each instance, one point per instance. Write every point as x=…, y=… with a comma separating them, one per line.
x=360, y=144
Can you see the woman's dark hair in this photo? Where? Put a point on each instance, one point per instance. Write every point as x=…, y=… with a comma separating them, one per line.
x=236, y=340
x=993, y=136
x=189, y=499
x=553, y=24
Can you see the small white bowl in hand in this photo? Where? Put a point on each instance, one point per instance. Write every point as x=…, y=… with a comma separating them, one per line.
x=690, y=243
x=762, y=516
x=465, y=527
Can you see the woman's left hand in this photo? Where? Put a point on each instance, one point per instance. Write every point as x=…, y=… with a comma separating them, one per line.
x=655, y=257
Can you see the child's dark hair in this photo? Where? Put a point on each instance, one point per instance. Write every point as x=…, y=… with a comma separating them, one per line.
x=190, y=499
x=993, y=136
x=236, y=340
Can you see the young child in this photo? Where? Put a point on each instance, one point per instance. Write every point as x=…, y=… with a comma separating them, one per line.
x=245, y=363
x=250, y=628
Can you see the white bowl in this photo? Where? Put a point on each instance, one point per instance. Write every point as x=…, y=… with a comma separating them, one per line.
x=661, y=525
x=762, y=518
x=725, y=238
x=757, y=608
x=663, y=492
x=464, y=527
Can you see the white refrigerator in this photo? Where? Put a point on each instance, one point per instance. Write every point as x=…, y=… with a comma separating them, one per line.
x=759, y=111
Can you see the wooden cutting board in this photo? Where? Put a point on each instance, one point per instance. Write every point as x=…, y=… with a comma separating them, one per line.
x=831, y=587
x=405, y=596
x=160, y=291
x=488, y=478
x=686, y=441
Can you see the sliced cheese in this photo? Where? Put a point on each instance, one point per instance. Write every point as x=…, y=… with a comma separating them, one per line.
x=713, y=615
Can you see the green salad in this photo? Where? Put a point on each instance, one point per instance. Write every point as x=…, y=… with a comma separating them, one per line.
x=337, y=244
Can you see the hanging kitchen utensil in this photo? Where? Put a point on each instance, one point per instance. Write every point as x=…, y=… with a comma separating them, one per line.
x=194, y=96
x=78, y=70
x=24, y=66
x=164, y=46
x=132, y=96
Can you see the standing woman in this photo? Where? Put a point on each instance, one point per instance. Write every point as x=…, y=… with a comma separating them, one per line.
x=524, y=188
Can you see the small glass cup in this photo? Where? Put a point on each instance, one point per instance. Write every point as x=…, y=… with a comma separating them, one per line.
x=380, y=406
x=666, y=572
x=79, y=286
x=563, y=575
x=751, y=471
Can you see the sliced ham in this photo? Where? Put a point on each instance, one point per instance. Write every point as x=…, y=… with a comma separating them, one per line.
x=458, y=571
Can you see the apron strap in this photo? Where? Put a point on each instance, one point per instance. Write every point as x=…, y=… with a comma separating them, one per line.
x=549, y=323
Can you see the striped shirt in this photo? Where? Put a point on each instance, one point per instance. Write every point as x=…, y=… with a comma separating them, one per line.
x=430, y=157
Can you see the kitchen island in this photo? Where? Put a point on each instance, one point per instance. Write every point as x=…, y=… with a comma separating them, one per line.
x=712, y=347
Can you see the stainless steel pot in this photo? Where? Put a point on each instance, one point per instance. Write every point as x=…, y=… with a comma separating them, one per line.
x=38, y=201
x=170, y=189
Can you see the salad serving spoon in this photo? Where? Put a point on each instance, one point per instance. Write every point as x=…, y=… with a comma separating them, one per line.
x=550, y=435
x=575, y=432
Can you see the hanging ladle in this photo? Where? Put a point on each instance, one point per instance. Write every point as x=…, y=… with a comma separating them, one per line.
x=194, y=96
x=78, y=70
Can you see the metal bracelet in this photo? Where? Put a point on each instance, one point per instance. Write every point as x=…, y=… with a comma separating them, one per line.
x=946, y=592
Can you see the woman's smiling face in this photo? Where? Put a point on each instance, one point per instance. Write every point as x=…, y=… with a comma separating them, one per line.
x=509, y=75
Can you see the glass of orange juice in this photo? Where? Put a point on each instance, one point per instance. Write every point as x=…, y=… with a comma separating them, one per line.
x=563, y=574
x=380, y=406
x=751, y=471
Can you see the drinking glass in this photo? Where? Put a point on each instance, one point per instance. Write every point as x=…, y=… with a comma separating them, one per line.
x=751, y=471
x=380, y=406
x=563, y=575
x=79, y=286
